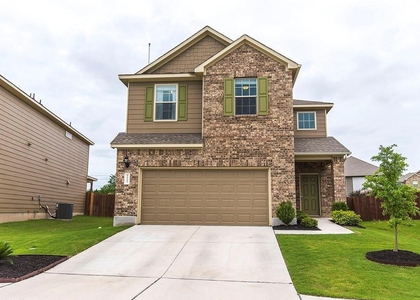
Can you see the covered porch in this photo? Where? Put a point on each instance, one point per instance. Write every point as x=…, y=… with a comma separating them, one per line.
x=319, y=174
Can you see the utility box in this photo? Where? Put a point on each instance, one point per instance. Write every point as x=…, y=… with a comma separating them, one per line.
x=64, y=211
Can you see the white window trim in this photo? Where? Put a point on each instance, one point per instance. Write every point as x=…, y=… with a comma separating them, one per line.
x=176, y=103
x=303, y=112
x=256, y=97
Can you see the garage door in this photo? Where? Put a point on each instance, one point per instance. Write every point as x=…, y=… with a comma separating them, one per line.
x=205, y=196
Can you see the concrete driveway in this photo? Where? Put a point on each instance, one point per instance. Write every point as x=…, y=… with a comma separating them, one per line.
x=168, y=262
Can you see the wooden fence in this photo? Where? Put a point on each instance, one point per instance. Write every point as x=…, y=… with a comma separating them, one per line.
x=370, y=208
x=99, y=205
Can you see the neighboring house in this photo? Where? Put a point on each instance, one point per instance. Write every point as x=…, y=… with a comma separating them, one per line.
x=40, y=154
x=214, y=136
x=411, y=179
x=355, y=171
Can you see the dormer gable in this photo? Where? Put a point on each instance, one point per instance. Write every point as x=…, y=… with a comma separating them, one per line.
x=203, y=44
x=245, y=39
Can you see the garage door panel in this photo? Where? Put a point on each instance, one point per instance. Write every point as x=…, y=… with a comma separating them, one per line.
x=212, y=197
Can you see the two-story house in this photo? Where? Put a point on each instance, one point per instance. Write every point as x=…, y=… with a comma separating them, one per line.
x=40, y=156
x=215, y=137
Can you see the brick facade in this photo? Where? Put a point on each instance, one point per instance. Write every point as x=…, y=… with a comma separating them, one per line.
x=414, y=177
x=246, y=141
x=331, y=181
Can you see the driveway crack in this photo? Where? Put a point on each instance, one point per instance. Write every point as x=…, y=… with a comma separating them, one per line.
x=167, y=269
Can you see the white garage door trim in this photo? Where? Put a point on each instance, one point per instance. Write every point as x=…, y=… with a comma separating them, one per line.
x=140, y=184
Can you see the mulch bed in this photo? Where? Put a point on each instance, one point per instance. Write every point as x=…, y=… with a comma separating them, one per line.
x=294, y=227
x=25, y=266
x=400, y=258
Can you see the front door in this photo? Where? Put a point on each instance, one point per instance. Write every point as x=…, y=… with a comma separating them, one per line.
x=309, y=194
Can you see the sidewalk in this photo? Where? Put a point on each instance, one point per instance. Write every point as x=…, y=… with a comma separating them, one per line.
x=326, y=226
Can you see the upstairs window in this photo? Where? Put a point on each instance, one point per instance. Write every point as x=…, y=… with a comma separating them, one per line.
x=306, y=121
x=245, y=96
x=415, y=183
x=165, y=102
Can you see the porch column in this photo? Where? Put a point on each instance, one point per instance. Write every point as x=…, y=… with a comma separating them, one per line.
x=339, y=183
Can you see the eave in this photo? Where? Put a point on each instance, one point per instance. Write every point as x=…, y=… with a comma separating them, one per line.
x=126, y=78
x=6, y=84
x=156, y=146
x=291, y=65
x=207, y=30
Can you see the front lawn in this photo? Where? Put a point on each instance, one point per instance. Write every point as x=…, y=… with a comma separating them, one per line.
x=335, y=265
x=57, y=237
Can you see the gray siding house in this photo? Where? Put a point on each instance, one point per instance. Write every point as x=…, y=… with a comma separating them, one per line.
x=215, y=137
x=40, y=154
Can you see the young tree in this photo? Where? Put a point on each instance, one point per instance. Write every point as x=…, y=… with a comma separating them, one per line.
x=108, y=188
x=398, y=200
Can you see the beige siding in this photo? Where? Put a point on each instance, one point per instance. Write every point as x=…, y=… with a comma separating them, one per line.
x=321, y=125
x=135, y=115
x=191, y=57
x=44, y=167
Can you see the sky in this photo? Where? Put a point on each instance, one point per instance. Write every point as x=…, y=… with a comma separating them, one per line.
x=364, y=56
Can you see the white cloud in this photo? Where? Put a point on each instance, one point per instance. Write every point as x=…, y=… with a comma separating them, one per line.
x=361, y=55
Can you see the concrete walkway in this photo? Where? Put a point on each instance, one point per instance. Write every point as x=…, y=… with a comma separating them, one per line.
x=326, y=226
x=168, y=262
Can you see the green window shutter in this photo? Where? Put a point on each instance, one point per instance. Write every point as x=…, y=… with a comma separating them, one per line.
x=182, y=103
x=229, y=103
x=262, y=96
x=148, y=108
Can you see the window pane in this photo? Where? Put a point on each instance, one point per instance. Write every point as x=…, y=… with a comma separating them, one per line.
x=245, y=96
x=306, y=120
x=166, y=93
x=246, y=106
x=165, y=111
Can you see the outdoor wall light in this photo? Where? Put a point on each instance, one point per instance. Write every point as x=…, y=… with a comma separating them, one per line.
x=126, y=160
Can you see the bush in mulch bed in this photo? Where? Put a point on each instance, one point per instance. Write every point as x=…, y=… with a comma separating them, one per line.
x=294, y=227
x=390, y=257
x=25, y=266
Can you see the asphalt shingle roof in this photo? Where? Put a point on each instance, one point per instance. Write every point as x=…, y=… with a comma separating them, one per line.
x=328, y=145
x=124, y=138
x=310, y=102
x=356, y=167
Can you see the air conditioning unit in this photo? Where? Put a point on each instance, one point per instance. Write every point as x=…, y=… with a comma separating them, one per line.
x=64, y=211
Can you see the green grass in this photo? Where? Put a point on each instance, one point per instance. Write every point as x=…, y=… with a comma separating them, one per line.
x=57, y=237
x=335, y=265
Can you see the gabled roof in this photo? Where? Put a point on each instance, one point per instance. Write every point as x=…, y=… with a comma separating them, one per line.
x=355, y=167
x=207, y=30
x=407, y=176
x=40, y=108
x=245, y=39
x=312, y=104
x=143, y=75
x=320, y=146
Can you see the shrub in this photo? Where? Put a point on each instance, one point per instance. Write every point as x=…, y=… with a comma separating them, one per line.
x=6, y=252
x=285, y=212
x=358, y=193
x=340, y=205
x=309, y=222
x=300, y=215
x=346, y=218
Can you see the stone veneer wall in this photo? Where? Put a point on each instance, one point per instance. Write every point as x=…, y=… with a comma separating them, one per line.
x=246, y=141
